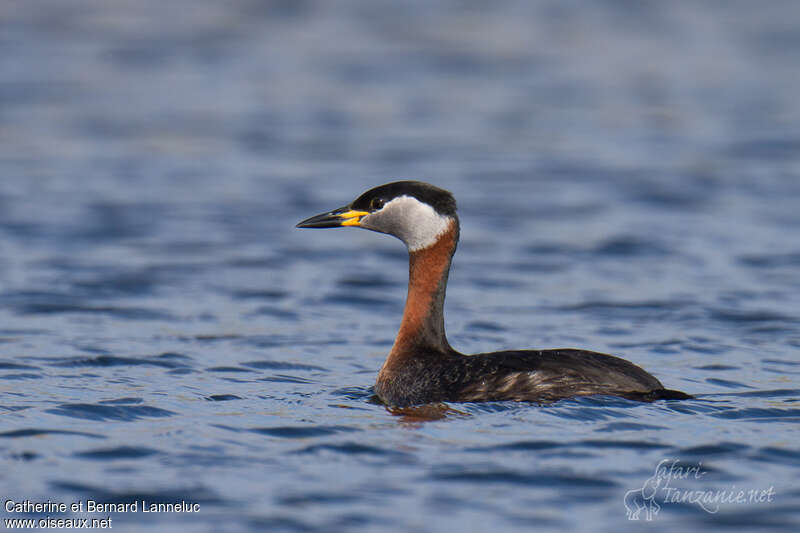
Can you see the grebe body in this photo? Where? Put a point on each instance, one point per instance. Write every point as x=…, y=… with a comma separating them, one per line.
x=422, y=367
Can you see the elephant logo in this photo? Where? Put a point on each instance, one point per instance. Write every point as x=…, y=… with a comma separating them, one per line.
x=643, y=498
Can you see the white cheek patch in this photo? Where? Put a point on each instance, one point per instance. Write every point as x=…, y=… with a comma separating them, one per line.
x=415, y=223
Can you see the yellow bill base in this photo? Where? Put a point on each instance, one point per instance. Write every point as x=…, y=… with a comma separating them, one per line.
x=353, y=217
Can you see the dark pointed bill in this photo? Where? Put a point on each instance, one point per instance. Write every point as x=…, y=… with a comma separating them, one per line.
x=344, y=216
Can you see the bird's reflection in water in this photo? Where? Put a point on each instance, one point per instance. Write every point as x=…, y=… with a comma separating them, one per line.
x=426, y=413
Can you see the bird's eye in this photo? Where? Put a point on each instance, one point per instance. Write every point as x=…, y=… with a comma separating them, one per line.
x=376, y=203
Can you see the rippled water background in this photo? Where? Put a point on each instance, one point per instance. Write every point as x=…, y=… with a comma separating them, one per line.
x=628, y=177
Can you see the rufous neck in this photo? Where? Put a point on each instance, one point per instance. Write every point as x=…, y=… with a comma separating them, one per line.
x=423, y=318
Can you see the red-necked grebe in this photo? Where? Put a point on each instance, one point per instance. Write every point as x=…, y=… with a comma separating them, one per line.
x=422, y=367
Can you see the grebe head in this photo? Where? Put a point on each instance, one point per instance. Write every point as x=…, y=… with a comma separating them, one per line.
x=417, y=213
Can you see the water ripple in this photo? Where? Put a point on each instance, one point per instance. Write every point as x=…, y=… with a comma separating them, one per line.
x=123, y=413
x=163, y=360
x=120, y=312
x=193, y=494
x=771, y=260
x=713, y=450
x=568, y=481
x=353, y=448
x=120, y=452
x=222, y=397
x=282, y=365
x=301, y=432
x=760, y=414
x=29, y=432
x=8, y=365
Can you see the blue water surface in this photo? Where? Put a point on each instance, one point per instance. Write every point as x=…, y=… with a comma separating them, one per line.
x=628, y=178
